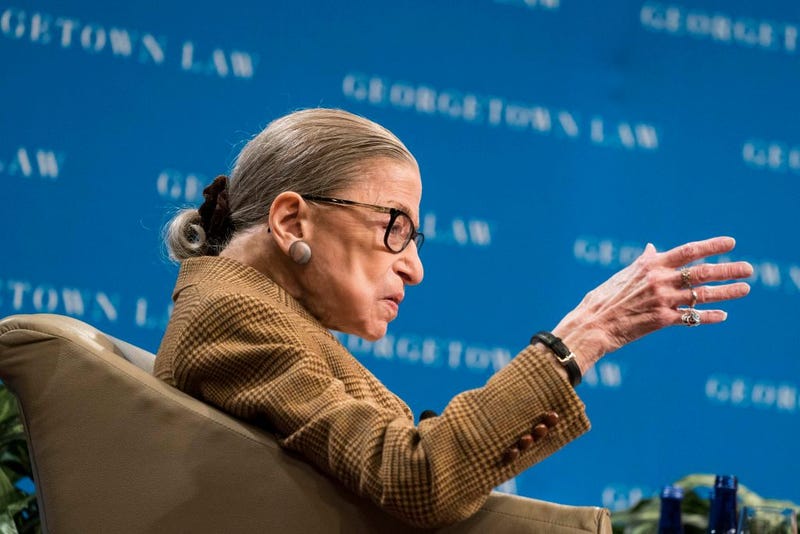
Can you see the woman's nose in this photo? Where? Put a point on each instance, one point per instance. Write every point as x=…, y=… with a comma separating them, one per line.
x=409, y=266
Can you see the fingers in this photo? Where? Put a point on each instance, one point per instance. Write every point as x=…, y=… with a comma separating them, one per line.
x=716, y=272
x=707, y=294
x=696, y=250
x=706, y=317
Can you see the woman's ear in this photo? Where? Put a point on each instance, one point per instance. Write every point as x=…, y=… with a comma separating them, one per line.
x=289, y=219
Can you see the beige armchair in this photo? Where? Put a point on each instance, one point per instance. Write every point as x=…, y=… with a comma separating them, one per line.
x=116, y=450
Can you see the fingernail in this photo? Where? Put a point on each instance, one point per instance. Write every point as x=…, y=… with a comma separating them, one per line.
x=724, y=316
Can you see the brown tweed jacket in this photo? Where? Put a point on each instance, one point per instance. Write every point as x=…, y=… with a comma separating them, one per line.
x=238, y=341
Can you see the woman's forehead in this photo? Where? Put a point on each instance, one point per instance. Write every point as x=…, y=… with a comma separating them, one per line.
x=389, y=183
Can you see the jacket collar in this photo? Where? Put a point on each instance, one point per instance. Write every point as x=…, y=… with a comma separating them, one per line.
x=220, y=272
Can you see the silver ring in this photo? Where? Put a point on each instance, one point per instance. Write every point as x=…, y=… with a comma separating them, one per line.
x=686, y=277
x=691, y=317
x=694, y=298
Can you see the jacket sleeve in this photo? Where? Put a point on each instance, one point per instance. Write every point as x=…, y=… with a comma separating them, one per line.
x=251, y=361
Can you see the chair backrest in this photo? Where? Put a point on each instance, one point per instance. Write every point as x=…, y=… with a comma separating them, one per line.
x=141, y=358
x=116, y=450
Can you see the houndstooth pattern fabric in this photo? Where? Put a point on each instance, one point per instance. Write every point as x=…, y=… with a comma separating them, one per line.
x=238, y=341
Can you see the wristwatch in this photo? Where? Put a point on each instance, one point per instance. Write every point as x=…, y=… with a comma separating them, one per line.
x=563, y=355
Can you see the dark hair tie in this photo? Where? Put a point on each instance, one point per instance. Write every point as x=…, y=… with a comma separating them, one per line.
x=215, y=213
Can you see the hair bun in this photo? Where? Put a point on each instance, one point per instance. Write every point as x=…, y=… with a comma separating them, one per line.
x=215, y=213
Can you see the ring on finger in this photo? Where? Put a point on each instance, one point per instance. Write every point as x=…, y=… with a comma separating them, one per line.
x=691, y=317
x=686, y=277
x=693, y=303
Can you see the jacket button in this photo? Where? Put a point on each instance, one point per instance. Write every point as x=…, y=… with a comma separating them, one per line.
x=511, y=455
x=550, y=419
x=525, y=442
x=539, y=431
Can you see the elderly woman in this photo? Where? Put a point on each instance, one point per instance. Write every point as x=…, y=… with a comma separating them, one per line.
x=317, y=230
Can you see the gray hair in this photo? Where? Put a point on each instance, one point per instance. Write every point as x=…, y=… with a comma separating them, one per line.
x=312, y=152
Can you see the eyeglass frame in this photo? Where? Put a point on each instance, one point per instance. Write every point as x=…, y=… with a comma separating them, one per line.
x=417, y=237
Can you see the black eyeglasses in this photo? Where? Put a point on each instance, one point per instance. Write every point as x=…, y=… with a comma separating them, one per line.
x=399, y=232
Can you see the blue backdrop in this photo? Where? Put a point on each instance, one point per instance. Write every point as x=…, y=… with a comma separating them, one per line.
x=555, y=138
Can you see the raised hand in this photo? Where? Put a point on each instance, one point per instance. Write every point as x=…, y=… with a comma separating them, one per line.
x=646, y=295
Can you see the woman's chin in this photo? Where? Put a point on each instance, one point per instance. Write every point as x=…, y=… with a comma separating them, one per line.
x=374, y=332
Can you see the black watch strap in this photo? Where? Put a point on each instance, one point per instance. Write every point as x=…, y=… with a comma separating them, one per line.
x=564, y=356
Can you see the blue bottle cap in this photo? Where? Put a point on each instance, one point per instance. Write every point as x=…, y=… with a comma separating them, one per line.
x=726, y=481
x=672, y=492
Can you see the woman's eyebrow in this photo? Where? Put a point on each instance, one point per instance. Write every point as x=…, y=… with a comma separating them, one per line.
x=399, y=205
